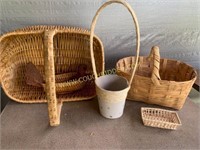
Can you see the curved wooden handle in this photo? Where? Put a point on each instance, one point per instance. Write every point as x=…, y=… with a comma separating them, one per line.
x=54, y=107
x=155, y=55
x=137, y=34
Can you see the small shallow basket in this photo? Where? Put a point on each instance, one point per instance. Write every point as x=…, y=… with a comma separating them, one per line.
x=53, y=50
x=158, y=81
x=65, y=85
x=160, y=118
x=112, y=89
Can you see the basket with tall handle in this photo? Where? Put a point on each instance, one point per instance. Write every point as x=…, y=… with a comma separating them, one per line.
x=54, y=50
x=112, y=89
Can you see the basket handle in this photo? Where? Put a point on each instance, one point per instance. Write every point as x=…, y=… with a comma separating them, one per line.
x=155, y=55
x=123, y=2
x=54, y=107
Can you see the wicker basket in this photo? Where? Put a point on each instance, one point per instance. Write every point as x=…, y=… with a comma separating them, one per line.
x=112, y=89
x=53, y=50
x=160, y=118
x=158, y=81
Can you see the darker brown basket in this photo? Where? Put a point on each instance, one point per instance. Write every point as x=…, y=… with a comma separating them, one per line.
x=53, y=50
x=163, y=82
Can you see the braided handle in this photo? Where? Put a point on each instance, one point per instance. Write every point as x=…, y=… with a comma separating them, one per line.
x=155, y=55
x=54, y=107
x=123, y=2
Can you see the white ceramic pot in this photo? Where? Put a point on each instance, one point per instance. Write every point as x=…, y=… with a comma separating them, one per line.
x=111, y=92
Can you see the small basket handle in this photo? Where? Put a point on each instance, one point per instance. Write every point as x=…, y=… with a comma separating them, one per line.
x=54, y=107
x=155, y=55
x=123, y=2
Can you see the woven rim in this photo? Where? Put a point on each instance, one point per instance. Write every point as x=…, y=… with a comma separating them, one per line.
x=155, y=113
x=41, y=29
x=192, y=79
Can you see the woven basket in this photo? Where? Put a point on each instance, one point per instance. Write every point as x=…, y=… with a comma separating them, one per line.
x=112, y=89
x=53, y=50
x=158, y=81
x=70, y=86
x=160, y=118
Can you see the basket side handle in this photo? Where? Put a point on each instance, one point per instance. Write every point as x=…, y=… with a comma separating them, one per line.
x=54, y=108
x=123, y=2
x=155, y=55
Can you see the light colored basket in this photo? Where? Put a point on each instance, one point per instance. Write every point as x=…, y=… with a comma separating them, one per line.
x=158, y=81
x=65, y=82
x=112, y=89
x=53, y=50
x=160, y=118
x=65, y=85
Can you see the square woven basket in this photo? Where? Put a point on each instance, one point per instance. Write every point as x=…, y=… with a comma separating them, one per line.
x=160, y=118
x=55, y=51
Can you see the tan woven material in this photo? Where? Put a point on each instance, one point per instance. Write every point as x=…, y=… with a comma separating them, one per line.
x=158, y=81
x=68, y=87
x=124, y=3
x=160, y=118
x=65, y=83
x=53, y=50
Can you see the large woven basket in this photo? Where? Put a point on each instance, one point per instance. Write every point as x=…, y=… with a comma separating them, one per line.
x=158, y=81
x=53, y=50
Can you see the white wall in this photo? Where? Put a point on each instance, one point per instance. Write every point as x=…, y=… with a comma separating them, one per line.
x=174, y=25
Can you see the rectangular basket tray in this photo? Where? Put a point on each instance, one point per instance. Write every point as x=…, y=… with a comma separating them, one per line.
x=160, y=118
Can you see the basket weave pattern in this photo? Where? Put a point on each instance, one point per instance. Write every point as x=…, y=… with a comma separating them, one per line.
x=160, y=118
x=158, y=81
x=53, y=50
x=71, y=47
